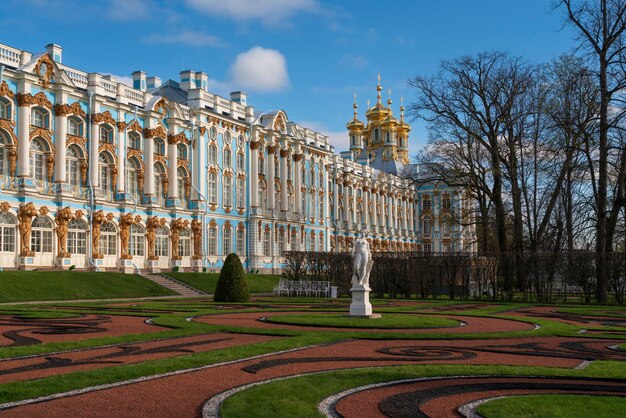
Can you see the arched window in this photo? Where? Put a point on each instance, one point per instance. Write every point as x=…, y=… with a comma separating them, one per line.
x=426, y=226
x=181, y=151
x=38, y=168
x=321, y=242
x=106, y=134
x=137, y=240
x=261, y=164
x=388, y=137
x=212, y=240
x=74, y=126
x=277, y=196
x=132, y=175
x=241, y=242
x=227, y=191
x=426, y=202
x=359, y=214
x=213, y=132
x=276, y=167
x=321, y=207
x=39, y=118
x=212, y=154
x=241, y=162
x=108, y=238
x=7, y=232
x=4, y=166
x=77, y=237
x=228, y=160
x=226, y=241
x=281, y=242
x=159, y=146
x=446, y=226
x=240, y=141
x=375, y=135
x=241, y=193
x=105, y=164
x=5, y=109
x=41, y=235
x=134, y=140
x=267, y=249
x=294, y=240
x=181, y=179
x=446, y=202
x=162, y=242
x=184, y=242
x=72, y=166
x=313, y=242
x=159, y=175
x=212, y=188
x=227, y=137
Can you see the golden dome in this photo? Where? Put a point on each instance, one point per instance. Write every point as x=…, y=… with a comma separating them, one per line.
x=355, y=124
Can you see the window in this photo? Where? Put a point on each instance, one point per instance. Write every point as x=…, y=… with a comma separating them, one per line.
x=3, y=157
x=227, y=137
x=181, y=151
x=261, y=166
x=213, y=240
x=294, y=240
x=77, y=237
x=7, y=232
x=281, y=242
x=375, y=135
x=39, y=118
x=227, y=191
x=321, y=207
x=212, y=154
x=446, y=226
x=181, y=179
x=241, y=162
x=240, y=141
x=213, y=132
x=159, y=176
x=104, y=170
x=388, y=137
x=276, y=168
x=428, y=248
x=162, y=242
x=74, y=126
x=213, y=188
x=106, y=134
x=446, y=202
x=159, y=146
x=132, y=177
x=226, y=243
x=108, y=238
x=321, y=242
x=262, y=195
x=241, y=193
x=38, y=169
x=267, y=250
x=136, y=242
x=134, y=140
x=241, y=243
x=41, y=235
x=426, y=203
x=184, y=242
x=227, y=158
x=426, y=227
x=5, y=109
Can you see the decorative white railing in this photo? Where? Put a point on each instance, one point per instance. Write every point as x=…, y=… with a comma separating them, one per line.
x=79, y=78
x=10, y=56
x=109, y=87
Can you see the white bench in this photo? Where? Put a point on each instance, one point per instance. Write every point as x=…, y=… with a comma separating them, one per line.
x=302, y=287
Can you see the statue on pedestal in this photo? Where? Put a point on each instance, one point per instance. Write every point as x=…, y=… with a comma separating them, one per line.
x=361, y=261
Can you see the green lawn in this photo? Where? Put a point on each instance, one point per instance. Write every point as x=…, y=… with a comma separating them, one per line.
x=554, y=406
x=258, y=283
x=388, y=321
x=22, y=286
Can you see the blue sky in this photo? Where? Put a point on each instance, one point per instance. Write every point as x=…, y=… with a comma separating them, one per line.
x=307, y=57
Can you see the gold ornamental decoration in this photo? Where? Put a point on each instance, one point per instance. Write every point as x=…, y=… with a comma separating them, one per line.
x=8, y=125
x=62, y=109
x=254, y=145
x=25, y=216
x=98, y=218
x=104, y=117
x=45, y=70
x=159, y=132
x=152, y=223
x=75, y=139
x=160, y=107
x=50, y=166
x=5, y=206
x=62, y=219
x=121, y=126
x=126, y=221
x=175, y=139
x=202, y=130
x=39, y=99
x=196, y=230
x=5, y=91
x=135, y=127
x=176, y=226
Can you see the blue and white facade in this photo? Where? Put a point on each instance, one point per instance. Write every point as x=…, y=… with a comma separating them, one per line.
x=97, y=173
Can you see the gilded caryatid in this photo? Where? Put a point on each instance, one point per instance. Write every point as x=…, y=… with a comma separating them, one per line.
x=62, y=220
x=25, y=216
x=152, y=224
x=126, y=221
x=177, y=225
x=98, y=218
x=196, y=230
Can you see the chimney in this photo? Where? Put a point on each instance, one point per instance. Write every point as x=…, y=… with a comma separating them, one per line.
x=56, y=52
x=139, y=80
x=187, y=80
x=202, y=80
x=239, y=97
x=153, y=82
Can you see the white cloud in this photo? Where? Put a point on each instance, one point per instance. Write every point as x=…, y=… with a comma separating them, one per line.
x=123, y=79
x=260, y=69
x=354, y=61
x=128, y=9
x=186, y=37
x=269, y=12
x=338, y=139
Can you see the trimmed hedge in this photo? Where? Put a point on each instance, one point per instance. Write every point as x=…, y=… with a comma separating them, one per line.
x=232, y=285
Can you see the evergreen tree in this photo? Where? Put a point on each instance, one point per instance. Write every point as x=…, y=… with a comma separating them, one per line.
x=232, y=285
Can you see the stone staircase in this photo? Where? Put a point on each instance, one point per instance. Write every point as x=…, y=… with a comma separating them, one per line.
x=175, y=285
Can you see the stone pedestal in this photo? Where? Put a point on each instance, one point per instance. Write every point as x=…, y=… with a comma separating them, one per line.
x=197, y=265
x=27, y=263
x=361, y=306
x=64, y=262
x=153, y=266
x=126, y=266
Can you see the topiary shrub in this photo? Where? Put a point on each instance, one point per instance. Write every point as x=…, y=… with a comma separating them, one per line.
x=232, y=285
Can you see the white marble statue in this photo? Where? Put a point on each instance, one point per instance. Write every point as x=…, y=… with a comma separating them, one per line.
x=361, y=260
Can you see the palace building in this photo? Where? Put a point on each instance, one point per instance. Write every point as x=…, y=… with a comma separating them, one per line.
x=97, y=174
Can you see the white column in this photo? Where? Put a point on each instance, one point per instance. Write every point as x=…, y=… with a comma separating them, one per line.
x=298, y=183
x=23, y=163
x=148, y=157
x=283, y=180
x=198, y=176
x=254, y=175
x=325, y=197
x=60, y=136
x=346, y=204
x=354, y=205
x=335, y=199
x=366, y=212
x=122, y=137
x=172, y=170
x=374, y=214
x=93, y=153
x=271, y=191
x=404, y=214
x=390, y=217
